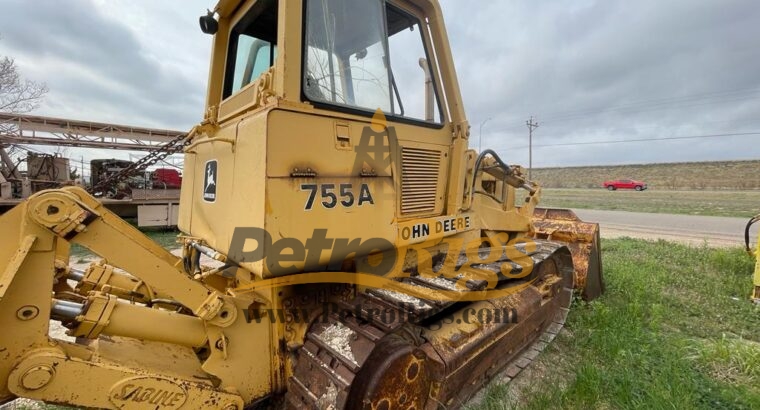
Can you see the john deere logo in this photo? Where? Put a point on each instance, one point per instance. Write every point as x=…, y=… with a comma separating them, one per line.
x=209, y=182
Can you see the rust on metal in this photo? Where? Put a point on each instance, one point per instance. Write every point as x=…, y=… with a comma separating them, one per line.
x=582, y=238
x=413, y=362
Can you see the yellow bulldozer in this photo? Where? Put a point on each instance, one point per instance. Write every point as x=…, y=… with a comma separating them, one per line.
x=341, y=246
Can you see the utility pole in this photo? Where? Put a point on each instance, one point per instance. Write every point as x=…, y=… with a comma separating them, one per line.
x=480, y=134
x=531, y=126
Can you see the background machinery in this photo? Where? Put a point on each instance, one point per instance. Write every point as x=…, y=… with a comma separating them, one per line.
x=39, y=171
x=363, y=256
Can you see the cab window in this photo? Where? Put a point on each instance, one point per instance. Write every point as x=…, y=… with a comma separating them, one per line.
x=367, y=54
x=253, y=46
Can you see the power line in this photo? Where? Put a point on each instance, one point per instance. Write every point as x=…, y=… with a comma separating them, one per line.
x=646, y=105
x=667, y=103
x=748, y=122
x=685, y=137
x=637, y=110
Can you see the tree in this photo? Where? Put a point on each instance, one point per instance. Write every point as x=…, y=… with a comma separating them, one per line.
x=18, y=95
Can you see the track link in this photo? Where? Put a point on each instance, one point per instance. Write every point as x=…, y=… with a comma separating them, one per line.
x=330, y=371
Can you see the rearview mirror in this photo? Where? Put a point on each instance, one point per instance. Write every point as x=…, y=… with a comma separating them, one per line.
x=209, y=25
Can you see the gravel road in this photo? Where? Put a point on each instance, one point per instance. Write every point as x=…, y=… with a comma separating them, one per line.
x=690, y=229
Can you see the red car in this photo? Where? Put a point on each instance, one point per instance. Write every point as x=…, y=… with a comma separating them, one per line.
x=625, y=184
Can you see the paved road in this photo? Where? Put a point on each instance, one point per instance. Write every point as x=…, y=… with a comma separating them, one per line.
x=717, y=231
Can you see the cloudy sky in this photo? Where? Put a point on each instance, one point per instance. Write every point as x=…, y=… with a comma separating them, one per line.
x=588, y=71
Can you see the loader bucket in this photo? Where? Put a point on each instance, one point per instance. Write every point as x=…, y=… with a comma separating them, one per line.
x=582, y=238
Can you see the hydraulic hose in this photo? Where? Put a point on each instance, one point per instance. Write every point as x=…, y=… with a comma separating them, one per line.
x=501, y=164
x=751, y=222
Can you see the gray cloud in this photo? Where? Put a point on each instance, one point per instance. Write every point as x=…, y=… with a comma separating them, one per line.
x=589, y=70
x=674, y=68
x=93, y=62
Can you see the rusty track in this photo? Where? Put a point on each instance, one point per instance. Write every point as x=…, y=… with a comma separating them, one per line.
x=351, y=362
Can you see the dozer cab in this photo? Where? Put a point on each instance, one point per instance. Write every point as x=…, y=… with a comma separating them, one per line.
x=341, y=246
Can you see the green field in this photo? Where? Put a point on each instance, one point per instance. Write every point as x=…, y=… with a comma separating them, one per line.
x=715, y=203
x=674, y=330
x=716, y=175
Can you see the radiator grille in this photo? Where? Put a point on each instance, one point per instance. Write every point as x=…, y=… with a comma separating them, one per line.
x=419, y=179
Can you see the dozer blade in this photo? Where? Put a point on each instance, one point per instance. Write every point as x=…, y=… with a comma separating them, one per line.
x=582, y=238
x=424, y=354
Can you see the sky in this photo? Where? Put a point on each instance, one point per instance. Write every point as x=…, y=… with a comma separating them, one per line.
x=587, y=71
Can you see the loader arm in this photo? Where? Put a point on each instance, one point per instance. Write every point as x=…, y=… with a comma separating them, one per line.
x=152, y=356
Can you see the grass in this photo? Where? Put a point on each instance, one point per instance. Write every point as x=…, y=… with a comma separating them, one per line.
x=711, y=175
x=674, y=330
x=743, y=204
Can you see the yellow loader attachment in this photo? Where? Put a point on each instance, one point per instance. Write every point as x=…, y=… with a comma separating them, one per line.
x=582, y=238
x=755, y=296
x=756, y=281
x=147, y=357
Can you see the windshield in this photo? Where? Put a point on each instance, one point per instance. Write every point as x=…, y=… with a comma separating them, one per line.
x=367, y=54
